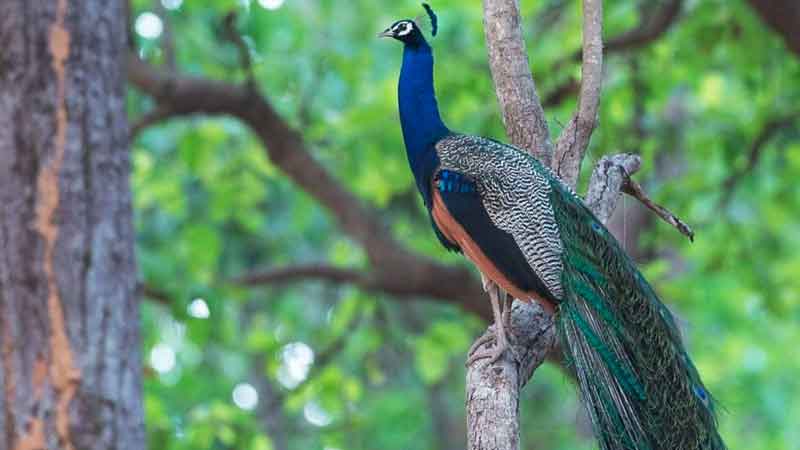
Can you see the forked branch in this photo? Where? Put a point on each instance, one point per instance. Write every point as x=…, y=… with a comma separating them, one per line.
x=574, y=139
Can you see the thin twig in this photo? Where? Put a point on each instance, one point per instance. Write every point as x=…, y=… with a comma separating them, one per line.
x=633, y=189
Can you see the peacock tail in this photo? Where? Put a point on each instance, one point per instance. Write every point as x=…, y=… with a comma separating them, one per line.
x=637, y=380
x=641, y=388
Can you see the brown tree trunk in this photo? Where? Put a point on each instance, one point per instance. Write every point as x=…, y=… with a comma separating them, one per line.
x=70, y=369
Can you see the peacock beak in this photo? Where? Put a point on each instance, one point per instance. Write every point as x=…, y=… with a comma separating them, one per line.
x=386, y=33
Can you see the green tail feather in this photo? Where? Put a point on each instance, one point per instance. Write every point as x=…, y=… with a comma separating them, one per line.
x=640, y=387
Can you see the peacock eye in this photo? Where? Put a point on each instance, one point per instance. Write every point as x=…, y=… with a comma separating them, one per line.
x=403, y=28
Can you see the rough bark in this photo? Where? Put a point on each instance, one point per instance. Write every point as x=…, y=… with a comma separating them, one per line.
x=523, y=115
x=69, y=329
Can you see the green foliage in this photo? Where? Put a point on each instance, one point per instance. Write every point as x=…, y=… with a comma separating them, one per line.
x=388, y=373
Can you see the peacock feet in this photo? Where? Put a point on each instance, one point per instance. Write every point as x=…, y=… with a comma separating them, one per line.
x=502, y=326
x=501, y=344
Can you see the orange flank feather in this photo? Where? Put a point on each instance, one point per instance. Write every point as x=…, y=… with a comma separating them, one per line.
x=456, y=234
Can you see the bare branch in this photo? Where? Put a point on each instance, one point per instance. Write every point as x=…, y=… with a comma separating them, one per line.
x=574, y=139
x=611, y=177
x=770, y=129
x=523, y=115
x=633, y=189
x=185, y=95
x=651, y=28
x=648, y=30
x=291, y=274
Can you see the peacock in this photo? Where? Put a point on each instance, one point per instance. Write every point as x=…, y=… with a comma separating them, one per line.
x=532, y=237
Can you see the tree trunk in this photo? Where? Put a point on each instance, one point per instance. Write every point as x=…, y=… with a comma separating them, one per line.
x=70, y=364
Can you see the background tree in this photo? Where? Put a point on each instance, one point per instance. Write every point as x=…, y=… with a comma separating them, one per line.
x=69, y=330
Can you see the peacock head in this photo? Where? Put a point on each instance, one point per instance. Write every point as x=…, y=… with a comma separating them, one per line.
x=407, y=30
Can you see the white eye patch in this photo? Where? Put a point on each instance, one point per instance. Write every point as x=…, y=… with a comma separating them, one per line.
x=403, y=28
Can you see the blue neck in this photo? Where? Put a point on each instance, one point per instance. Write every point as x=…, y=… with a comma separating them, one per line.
x=419, y=114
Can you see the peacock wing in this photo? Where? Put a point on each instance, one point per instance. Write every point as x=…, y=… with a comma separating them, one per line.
x=514, y=192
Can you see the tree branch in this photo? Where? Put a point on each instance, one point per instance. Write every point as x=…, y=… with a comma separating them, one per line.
x=611, y=177
x=633, y=189
x=291, y=274
x=523, y=115
x=492, y=398
x=608, y=178
x=574, y=139
x=648, y=30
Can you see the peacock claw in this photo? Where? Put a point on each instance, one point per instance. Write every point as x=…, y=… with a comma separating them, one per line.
x=502, y=326
x=501, y=345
